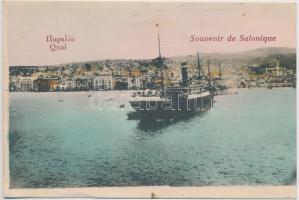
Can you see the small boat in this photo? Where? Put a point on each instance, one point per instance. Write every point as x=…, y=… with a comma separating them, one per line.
x=89, y=95
x=122, y=105
x=60, y=100
x=111, y=99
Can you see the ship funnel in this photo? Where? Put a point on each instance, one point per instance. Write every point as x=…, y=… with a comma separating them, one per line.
x=184, y=74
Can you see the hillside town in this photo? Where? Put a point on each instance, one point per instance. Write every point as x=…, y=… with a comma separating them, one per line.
x=144, y=74
x=269, y=77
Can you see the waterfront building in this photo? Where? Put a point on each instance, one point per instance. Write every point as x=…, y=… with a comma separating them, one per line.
x=121, y=83
x=102, y=83
x=135, y=83
x=62, y=84
x=13, y=81
x=82, y=83
x=24, y=83
x=42, y=84
x=67, y=84
x=53, y=84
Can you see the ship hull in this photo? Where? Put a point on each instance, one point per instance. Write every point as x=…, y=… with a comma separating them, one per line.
x=170, y=108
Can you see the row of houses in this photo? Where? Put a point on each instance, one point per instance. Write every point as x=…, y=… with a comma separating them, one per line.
x=103, y=80
x=78, y=83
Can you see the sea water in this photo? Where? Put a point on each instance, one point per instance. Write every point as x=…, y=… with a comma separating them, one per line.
x=61, y=140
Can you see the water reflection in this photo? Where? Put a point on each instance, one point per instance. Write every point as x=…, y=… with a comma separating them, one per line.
x=152, y=124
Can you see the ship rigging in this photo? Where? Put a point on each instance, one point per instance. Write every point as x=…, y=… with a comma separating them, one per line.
x=172, y=100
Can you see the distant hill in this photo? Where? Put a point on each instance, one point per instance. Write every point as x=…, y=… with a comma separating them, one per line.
x=269, y=51
x=260, y=56
x=255, y=53
x=268, y=56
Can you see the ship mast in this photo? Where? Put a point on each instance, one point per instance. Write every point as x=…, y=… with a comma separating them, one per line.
x=209, y=73
x=160, y=60
x=157, y=25
x=198, y=65
x=220, y=72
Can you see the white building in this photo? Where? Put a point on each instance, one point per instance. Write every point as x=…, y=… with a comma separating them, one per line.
x=103, y=83
x=25, y=83
x=67, y=84
x=135, y=83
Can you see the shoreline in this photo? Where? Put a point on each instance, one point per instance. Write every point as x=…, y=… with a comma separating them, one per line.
x=78, y=91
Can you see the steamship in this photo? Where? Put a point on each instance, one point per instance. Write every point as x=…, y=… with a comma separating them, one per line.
x=171, y=101
x=174, y=101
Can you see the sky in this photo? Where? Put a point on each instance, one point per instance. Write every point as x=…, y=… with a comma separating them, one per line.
x=127, y=30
